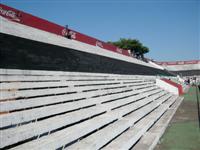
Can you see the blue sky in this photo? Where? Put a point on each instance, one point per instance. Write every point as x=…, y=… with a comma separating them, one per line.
x=170, y=28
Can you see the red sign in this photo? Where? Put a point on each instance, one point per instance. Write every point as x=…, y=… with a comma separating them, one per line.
x=10, y=14
x=36, y=22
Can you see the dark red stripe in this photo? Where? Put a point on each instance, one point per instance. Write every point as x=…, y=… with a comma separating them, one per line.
x=36, y=22
x=180, y=88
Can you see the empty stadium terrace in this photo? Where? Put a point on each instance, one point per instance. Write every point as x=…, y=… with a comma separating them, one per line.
x=183, y=68
x=79, y=93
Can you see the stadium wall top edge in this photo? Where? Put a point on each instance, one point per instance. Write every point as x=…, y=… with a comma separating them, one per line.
x=168, y=63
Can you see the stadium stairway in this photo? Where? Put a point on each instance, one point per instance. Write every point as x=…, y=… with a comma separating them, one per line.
x=71, y=110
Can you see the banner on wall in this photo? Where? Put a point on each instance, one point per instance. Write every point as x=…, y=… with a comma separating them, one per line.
x=36, y=22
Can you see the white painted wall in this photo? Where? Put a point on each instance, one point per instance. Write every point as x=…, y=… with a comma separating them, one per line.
x=156, y=65
x=166, y=86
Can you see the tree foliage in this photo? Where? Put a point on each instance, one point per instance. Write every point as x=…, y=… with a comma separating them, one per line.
x=134, y=45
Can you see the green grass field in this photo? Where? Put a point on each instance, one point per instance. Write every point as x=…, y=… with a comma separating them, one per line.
x=183, y=132
x=191, y=95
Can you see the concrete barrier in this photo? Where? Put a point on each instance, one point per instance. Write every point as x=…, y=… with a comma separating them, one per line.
x=170, y=86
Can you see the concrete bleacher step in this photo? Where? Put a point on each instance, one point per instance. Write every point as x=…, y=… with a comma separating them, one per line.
x=18, y=93
x=101, y=137
x=35, y=95
x=20, y=84
x=4, y=73
x=68, y=135
x=26, y=102
x=30, y=114
x=106, y=114
x=131, y=136
x=52, y=110
x=69, y=118
x=151, y=138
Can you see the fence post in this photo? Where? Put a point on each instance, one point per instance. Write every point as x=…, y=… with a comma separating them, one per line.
x=197, y=97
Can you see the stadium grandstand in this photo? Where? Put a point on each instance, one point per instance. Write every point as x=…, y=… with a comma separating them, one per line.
x=183, y=68
x=61, y=89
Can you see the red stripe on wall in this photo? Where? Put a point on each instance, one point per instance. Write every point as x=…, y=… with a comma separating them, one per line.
x=29, y=20
x=180, y=88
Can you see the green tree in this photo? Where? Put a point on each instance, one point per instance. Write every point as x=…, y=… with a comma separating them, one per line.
x=135, y=46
